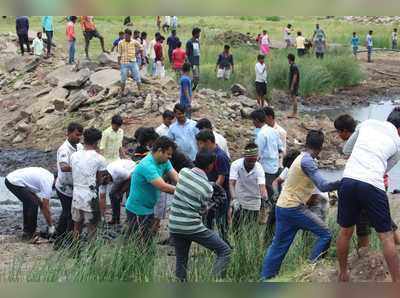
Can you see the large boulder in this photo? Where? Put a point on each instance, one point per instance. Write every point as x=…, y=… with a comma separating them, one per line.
x=108, y=59
x=59, y=92
x=21, y=63
x=238, y=89
x=246, y=112
x=85, y=63
x=78, y=100
x=247, y=102
x=105, y=78
x=65, y=77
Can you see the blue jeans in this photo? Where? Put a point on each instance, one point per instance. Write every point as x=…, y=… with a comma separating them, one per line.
x=71, y=51
x=369, y=49
x=131, y=68
x=288, y=222
x=209, y=239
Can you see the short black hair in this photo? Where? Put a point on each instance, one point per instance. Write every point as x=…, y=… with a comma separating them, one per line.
x=178, y=44
x=204, y=123
x=157, y=34
x=74, y=126
x=137, y=32
x=117, y=120
x=121, y=33
x=289, y=25
x=260, y=57
x=258, y=115
x=226, y=47
x=147, y=134
x=73, y=18
x=143, y=35
x=179, y=107
x=168, y=114
x=195, y=31
x=315, y=139
x=250, y=146
x=291, y=57
x=173, y=31
x=289, y=157
x=163, y=143
x=269, y=112
x=128, y=31
x=345, y=122
x=204, y=159
x=298, y=33
x=205, y=135
x=91, y=136
x=394, y=117
x=370, y=31
x=39, y=33
x=186, y=67
x=354, y=33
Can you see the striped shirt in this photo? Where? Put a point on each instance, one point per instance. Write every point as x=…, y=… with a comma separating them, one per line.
x=191, y=192
x=127, y=50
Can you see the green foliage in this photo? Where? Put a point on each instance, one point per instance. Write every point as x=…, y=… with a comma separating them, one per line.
x=273, y=18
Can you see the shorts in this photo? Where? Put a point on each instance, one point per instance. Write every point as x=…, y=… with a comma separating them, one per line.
x=84, y=217
x=301, y=52
x=224, y=73
x=261, y=88
x=355, y=49
x=90, y=34
x=363, y=228
x=295, y=91
x=355, y=196
x=131, y=68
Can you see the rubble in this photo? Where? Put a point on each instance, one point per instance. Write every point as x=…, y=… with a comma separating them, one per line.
x=238, y=89
x=235, y=39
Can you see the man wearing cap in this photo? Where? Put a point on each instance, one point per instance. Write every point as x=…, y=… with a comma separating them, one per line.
x=247, y=188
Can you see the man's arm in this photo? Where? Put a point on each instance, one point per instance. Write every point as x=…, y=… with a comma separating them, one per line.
x=163, y=186
x=65, y=167
x=173, y=176
x=294, y=81
x=45, y=208
x=349, y=145
x=392, y=161
x=232, y=188
x=220, y=180
x=309, y=167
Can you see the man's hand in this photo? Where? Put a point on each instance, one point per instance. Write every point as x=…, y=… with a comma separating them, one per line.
x=230, y=216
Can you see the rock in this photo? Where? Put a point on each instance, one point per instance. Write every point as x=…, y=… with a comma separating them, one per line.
x=108, y=59
x=49, y=109
x=195, y=106
x=65, y=77
x=339, y=163
x=247, y=102
x=22, y=126
x=19, y=138
x=105, y=78
x=246, y=112
x=59, y=104
x=18, y=84
x=235, y=106
x=43, y=92
x=21, y=63
x=148, y=102
x=24, y=115
x=77, y=100
x=85, y=63
x=238, y=89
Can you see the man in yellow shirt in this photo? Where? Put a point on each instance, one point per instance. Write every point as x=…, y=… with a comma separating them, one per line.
x=300, y=44
x=127, y=59
x=111, y=141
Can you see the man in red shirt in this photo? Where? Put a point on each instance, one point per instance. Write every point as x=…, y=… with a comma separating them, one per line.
x=178, y=59
x=159, y=60
x=90, y=31
x=70, y=31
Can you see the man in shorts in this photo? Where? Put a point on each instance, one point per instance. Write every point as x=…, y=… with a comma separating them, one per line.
x=225, y=66
x=375, y=149
x=88, y=168
x=89, y=31
x=261, y=80
x=193, y=55
x=294, y=82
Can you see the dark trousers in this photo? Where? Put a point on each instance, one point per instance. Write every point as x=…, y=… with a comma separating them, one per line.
x=65, y=222
x=116, y=198
x=243, y=217
x=319, y=55
x=29, y=205
x=140, y=227
x=220, y=218
x=209, y=239
x=269, y=179
x=49, y=35
x=23, y=39
x=270, y=226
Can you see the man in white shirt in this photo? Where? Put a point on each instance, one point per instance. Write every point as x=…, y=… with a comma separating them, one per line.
x=261, y=80
x=64, y=182
x=394, y=39
x=152, y=54
x=88, y=170
x=270, y=121
x=247, y=188
x=33, y=187
x=117, y=180
x=375, y=149
x=204, y=123
x=168, y=117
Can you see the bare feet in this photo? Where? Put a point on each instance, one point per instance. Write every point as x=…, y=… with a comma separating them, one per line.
x=344, y=276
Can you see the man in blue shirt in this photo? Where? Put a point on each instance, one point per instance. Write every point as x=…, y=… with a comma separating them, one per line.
x=121, y=35
x=220, y=175
x=22, y=27
x=354, y=43
x=183, y=132
x=47, y=25
x=146, y=183
x=270, y=147
x=172, y=42
x=369, y=44
x=185, y=90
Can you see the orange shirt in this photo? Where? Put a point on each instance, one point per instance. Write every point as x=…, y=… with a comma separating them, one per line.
x=178, y=58
x=87, y=23
x=70, y=31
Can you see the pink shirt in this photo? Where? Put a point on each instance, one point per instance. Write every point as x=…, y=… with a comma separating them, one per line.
x=70, y=31
x=178, y=58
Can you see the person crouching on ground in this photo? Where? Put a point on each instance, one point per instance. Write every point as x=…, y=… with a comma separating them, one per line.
x=33, y=187
x=225, y=66
x=88, y=168
x=185, y=221
x=291, y=212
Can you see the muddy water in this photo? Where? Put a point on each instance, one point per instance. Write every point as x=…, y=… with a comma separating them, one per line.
x=379, y=110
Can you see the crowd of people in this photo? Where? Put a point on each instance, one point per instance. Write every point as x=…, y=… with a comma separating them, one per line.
x=181, y=171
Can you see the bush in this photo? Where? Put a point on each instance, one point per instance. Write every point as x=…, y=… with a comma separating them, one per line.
x=273, y=18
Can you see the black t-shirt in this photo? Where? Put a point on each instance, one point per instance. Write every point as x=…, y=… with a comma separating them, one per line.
x=180, y=161
x=292, y=71
x=221, y=167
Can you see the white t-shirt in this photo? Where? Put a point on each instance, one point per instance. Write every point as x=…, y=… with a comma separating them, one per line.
x=247, y=184
x=377, y=142
x=283, y=136
x=162, y=130
x=222, y=143
x=38, y=47
x=37, y=180
x=394, y=36
x=120, y=170
x=85, y=165
x=64, y=179
x=261, y=72
x=286, y=33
